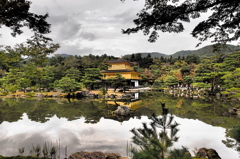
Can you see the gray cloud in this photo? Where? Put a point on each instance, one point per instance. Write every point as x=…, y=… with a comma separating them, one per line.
x=10, y=145
x=74, y=50
x=88, y=132
x=88, y=36
x=94, y=26
x=126, y=17
x=64, y=28
x=58, y=19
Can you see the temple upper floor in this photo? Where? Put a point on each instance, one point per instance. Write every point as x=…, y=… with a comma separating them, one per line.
x=119, y=67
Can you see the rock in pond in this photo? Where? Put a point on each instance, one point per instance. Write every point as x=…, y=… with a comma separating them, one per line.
x=87, y=155
x=208, y=153
x=122, y=110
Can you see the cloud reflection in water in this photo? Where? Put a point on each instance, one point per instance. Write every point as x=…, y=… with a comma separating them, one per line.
x=106, y=135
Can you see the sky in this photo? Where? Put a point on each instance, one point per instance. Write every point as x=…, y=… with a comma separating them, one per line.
x=84, y=27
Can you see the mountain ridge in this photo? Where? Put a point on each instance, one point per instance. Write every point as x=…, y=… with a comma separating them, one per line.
x=206, y=51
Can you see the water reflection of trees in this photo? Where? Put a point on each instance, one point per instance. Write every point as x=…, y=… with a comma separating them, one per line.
x=207, y=110
x=42, y=110
x=233, y=138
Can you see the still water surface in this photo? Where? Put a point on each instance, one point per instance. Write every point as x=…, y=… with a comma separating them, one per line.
x=88, y=125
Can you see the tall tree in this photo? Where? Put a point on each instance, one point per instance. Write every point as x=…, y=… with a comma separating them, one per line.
x=37, y=49
x=9, y=58
x=192, y=59
x=232, y=83
x=23, y=83
x=74, y=73
x=156, y=68
x=90, y=77
x=209, y=71
x=232, y=61
x=9, y=83
x=67, y=84
x=170, y=80
x=170, y=15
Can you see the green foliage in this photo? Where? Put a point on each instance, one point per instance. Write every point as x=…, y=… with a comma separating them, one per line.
x=210, y=71
x=232, y=83
x=152, y=143
x=117, y=82
x=37, y=49
x=102, y=66
x=67, y=84
x=30, y=94
x=158, y=84
x=38, y=72
x=9, y=58
x=37, y=75
x=103, y=91
x=24, y=83
x=142, y=154
x=91, y=77
x=182, y=153
x=170, y=80
x=8, y=88
x=73, y=73
x=201, y=85
x=235, y=131
x=231, y=62
x=181, y=64
x=185, y=70
x=188, y=80
x=192, y=59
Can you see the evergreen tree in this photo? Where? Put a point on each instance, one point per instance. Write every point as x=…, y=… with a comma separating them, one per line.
x=154, y=144
x=182, y=153
x=117, y=82
x=67, y=84
x=232, y=83
x=91, y=77
x=147, y=61
x=132, y=58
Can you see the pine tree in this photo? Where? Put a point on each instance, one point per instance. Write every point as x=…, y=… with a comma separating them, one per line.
x=152, y=143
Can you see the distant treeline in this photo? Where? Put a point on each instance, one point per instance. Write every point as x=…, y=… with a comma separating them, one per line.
x=146, y=62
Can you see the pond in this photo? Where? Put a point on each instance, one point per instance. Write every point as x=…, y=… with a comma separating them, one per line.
x=89, y=125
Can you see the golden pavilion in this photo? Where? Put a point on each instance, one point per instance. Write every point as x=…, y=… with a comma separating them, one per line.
x=123, y=67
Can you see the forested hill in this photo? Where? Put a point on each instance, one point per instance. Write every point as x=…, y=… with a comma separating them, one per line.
x=202, y=52
x=144, y=54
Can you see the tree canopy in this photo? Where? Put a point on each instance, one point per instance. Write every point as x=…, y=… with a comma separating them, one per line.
x=170, y=15
x=15, y=15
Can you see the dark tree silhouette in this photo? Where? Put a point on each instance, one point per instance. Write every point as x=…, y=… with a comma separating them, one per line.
x=15, y=14
x=169, y=15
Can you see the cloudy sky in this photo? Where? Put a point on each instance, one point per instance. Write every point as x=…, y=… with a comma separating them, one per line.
x=85, y=27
